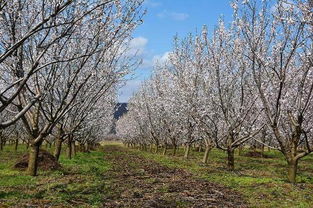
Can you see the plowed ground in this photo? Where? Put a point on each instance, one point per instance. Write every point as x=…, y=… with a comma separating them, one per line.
x=139, y=182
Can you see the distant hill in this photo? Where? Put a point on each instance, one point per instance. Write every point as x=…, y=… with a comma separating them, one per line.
x=120, y=110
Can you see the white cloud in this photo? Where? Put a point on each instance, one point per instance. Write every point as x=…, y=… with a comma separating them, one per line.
x=137, y=46
x=149, y=62
x=161, y=59
x=153, y=3
x=178, y=16
x=128, y=90
x=146, y=63
x=132, y=86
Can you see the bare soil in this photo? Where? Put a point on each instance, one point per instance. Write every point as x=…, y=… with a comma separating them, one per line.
x=256, y=154
x=46, y=161
x=138, y=182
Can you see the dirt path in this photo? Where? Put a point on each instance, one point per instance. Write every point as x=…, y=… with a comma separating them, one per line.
x=138, y=182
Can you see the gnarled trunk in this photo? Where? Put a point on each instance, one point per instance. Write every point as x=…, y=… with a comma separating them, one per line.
x=1, y=144
x=200, y=148
x=87, y=147
x=187, y=151
x=206, y=154
x=230, y=158
x=165, y=150
x=174, y=150
x=240, y=150
x=262, y=149
x=73, y=148
x=58, y=148
x=292, y=170
x=16, y=144
x=82, y=147
x=33, y=159
x=69, y=147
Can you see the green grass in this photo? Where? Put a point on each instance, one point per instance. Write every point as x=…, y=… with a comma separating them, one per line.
x=262, y=181
x=80, y=182
x=83, y=181
x=86, y=163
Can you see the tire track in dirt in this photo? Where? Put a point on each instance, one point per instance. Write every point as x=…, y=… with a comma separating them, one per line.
x=139, y=182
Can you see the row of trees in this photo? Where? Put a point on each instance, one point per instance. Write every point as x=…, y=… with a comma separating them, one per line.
x=249, y=82
x=60, y=65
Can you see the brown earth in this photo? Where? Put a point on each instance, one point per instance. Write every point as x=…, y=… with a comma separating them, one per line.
x=46, y=161
x=256, y=154
x=138, y=182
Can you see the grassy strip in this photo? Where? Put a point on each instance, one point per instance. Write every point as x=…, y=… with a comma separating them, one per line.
x=81, y=181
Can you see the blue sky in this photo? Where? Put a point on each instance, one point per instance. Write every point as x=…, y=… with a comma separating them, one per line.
x=164, y=19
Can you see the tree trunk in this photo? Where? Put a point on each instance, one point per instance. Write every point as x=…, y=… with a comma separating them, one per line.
x=206, y=154
x=240, y=150
x=73, y=148
x=231, y=159
x=58, y=148
x=87, y=147
x=16, y=144
x=165, y=150
x=82, y=147
x=157, y=149
x=262, y=150
x=33, y=159
x=200, y=148
x=69, y=148
x=174, y=150
x=1, y=144
x=187, y=151
x=292, y=170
